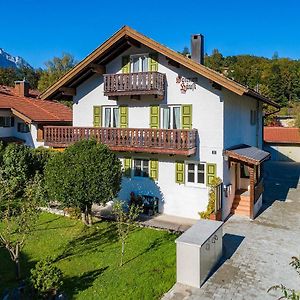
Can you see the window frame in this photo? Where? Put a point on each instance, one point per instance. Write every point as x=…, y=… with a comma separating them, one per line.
x=142, y=167
x=170, y=106
x=196, y=172
x=111, y=107
x=7, y=122
x=140, y=67
x=21, y=127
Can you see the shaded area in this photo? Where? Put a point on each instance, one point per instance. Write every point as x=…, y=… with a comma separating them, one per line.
x=231, y=243
x=279, y=178
x=73, y=285
x=90, y=240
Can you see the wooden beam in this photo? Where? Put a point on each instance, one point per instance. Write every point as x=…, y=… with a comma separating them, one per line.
x=99, y=69
x=67, y=91
x=133, y=43
x=21, y=116
x=173, y=63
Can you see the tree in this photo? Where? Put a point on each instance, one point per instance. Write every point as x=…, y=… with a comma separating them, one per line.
x=18, y=218
x=56, y=68
x=288, y=293
x=215, y=61
x=185, y=51
x=85, y=173
x=125, y=217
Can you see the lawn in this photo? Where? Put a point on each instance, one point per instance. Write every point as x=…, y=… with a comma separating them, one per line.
x=89, y=259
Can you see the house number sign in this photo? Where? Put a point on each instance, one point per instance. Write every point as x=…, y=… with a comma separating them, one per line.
x=186, y=83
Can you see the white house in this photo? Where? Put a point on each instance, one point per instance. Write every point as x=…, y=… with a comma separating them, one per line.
x=174, y=123
x=23, y=116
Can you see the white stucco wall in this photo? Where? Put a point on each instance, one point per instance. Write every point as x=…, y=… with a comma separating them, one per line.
x=181, y=200
x=216, y=132
x=30, y=138
x=238, y=130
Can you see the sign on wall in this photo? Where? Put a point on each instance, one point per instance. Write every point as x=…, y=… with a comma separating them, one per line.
x=186, y=83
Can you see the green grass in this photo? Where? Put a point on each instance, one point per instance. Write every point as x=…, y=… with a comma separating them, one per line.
x=89, y=259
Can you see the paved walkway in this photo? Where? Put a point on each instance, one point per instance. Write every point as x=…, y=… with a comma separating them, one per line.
x=257, y=253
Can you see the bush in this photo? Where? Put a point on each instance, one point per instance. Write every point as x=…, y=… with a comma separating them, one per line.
x=46, y=278
x=212, y=199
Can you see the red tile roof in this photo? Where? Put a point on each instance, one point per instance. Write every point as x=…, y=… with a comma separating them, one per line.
x=34, y=109
x=284, y=135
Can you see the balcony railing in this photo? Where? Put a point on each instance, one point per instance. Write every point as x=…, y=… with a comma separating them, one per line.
x=142, y=83
x=168, y=141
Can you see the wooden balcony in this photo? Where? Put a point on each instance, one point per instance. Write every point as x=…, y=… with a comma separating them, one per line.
x=177, y=141
x=142, y=83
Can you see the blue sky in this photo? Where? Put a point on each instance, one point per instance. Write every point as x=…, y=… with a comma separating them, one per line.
x=38, y=30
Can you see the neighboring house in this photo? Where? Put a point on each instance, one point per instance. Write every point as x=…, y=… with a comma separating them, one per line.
x=283, y=143
x=174, y=123
x=23, y=116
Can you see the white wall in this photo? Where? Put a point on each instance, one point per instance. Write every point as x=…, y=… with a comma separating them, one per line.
x=175, y=199
x=215, y=132
x=30, y=138
x=238, y=130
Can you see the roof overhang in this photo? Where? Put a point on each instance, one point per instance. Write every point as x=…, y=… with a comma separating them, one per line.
x=247, y=154
x=121, y=41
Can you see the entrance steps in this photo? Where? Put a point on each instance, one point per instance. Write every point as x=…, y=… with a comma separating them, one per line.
x=241, y=203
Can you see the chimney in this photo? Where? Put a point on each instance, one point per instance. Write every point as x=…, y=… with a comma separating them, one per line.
x=197, y=48
x=22, y=88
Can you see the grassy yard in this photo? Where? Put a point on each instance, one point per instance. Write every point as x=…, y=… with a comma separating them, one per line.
x=89, y=259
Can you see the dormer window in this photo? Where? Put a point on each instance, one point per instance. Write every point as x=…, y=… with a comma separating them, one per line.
x=139, y=63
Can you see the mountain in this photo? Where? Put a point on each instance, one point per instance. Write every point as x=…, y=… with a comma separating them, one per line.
x=10, y=61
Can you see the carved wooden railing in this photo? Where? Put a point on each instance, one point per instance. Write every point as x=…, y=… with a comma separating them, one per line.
x=141, y=83
x=170, y=141
x=258, y=190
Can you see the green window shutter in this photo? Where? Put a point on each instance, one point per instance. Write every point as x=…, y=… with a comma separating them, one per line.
x=179, y=174
x=126, y=64
x=154, y=116
x=153, y=62
x=123, y=116
x=154, y=169
x=97, y=116
x=187, y=113
x=211, y=173
x=127, y=167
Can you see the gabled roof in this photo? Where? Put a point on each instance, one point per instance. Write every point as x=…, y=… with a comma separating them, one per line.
x=122, y=40
x=33, y=110
x=282, y=135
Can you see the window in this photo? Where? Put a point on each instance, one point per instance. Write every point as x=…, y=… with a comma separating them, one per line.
x=171, y=117
x=253, y=117
x=23, y=128
x=244, y=171
x=111, y=116
x=6, y=121
x=141, y=167
x=196, y=173
x=139, y=63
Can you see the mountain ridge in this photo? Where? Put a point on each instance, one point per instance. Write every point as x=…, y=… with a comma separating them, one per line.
x=9, y=61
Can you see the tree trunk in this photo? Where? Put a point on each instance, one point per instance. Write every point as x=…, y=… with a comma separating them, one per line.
x=90, y=218
x=122, y=253
x=86, y=216
x=18, y=268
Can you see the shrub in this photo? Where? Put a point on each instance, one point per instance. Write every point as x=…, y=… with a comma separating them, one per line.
x=46, y=278
x=211, y=199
